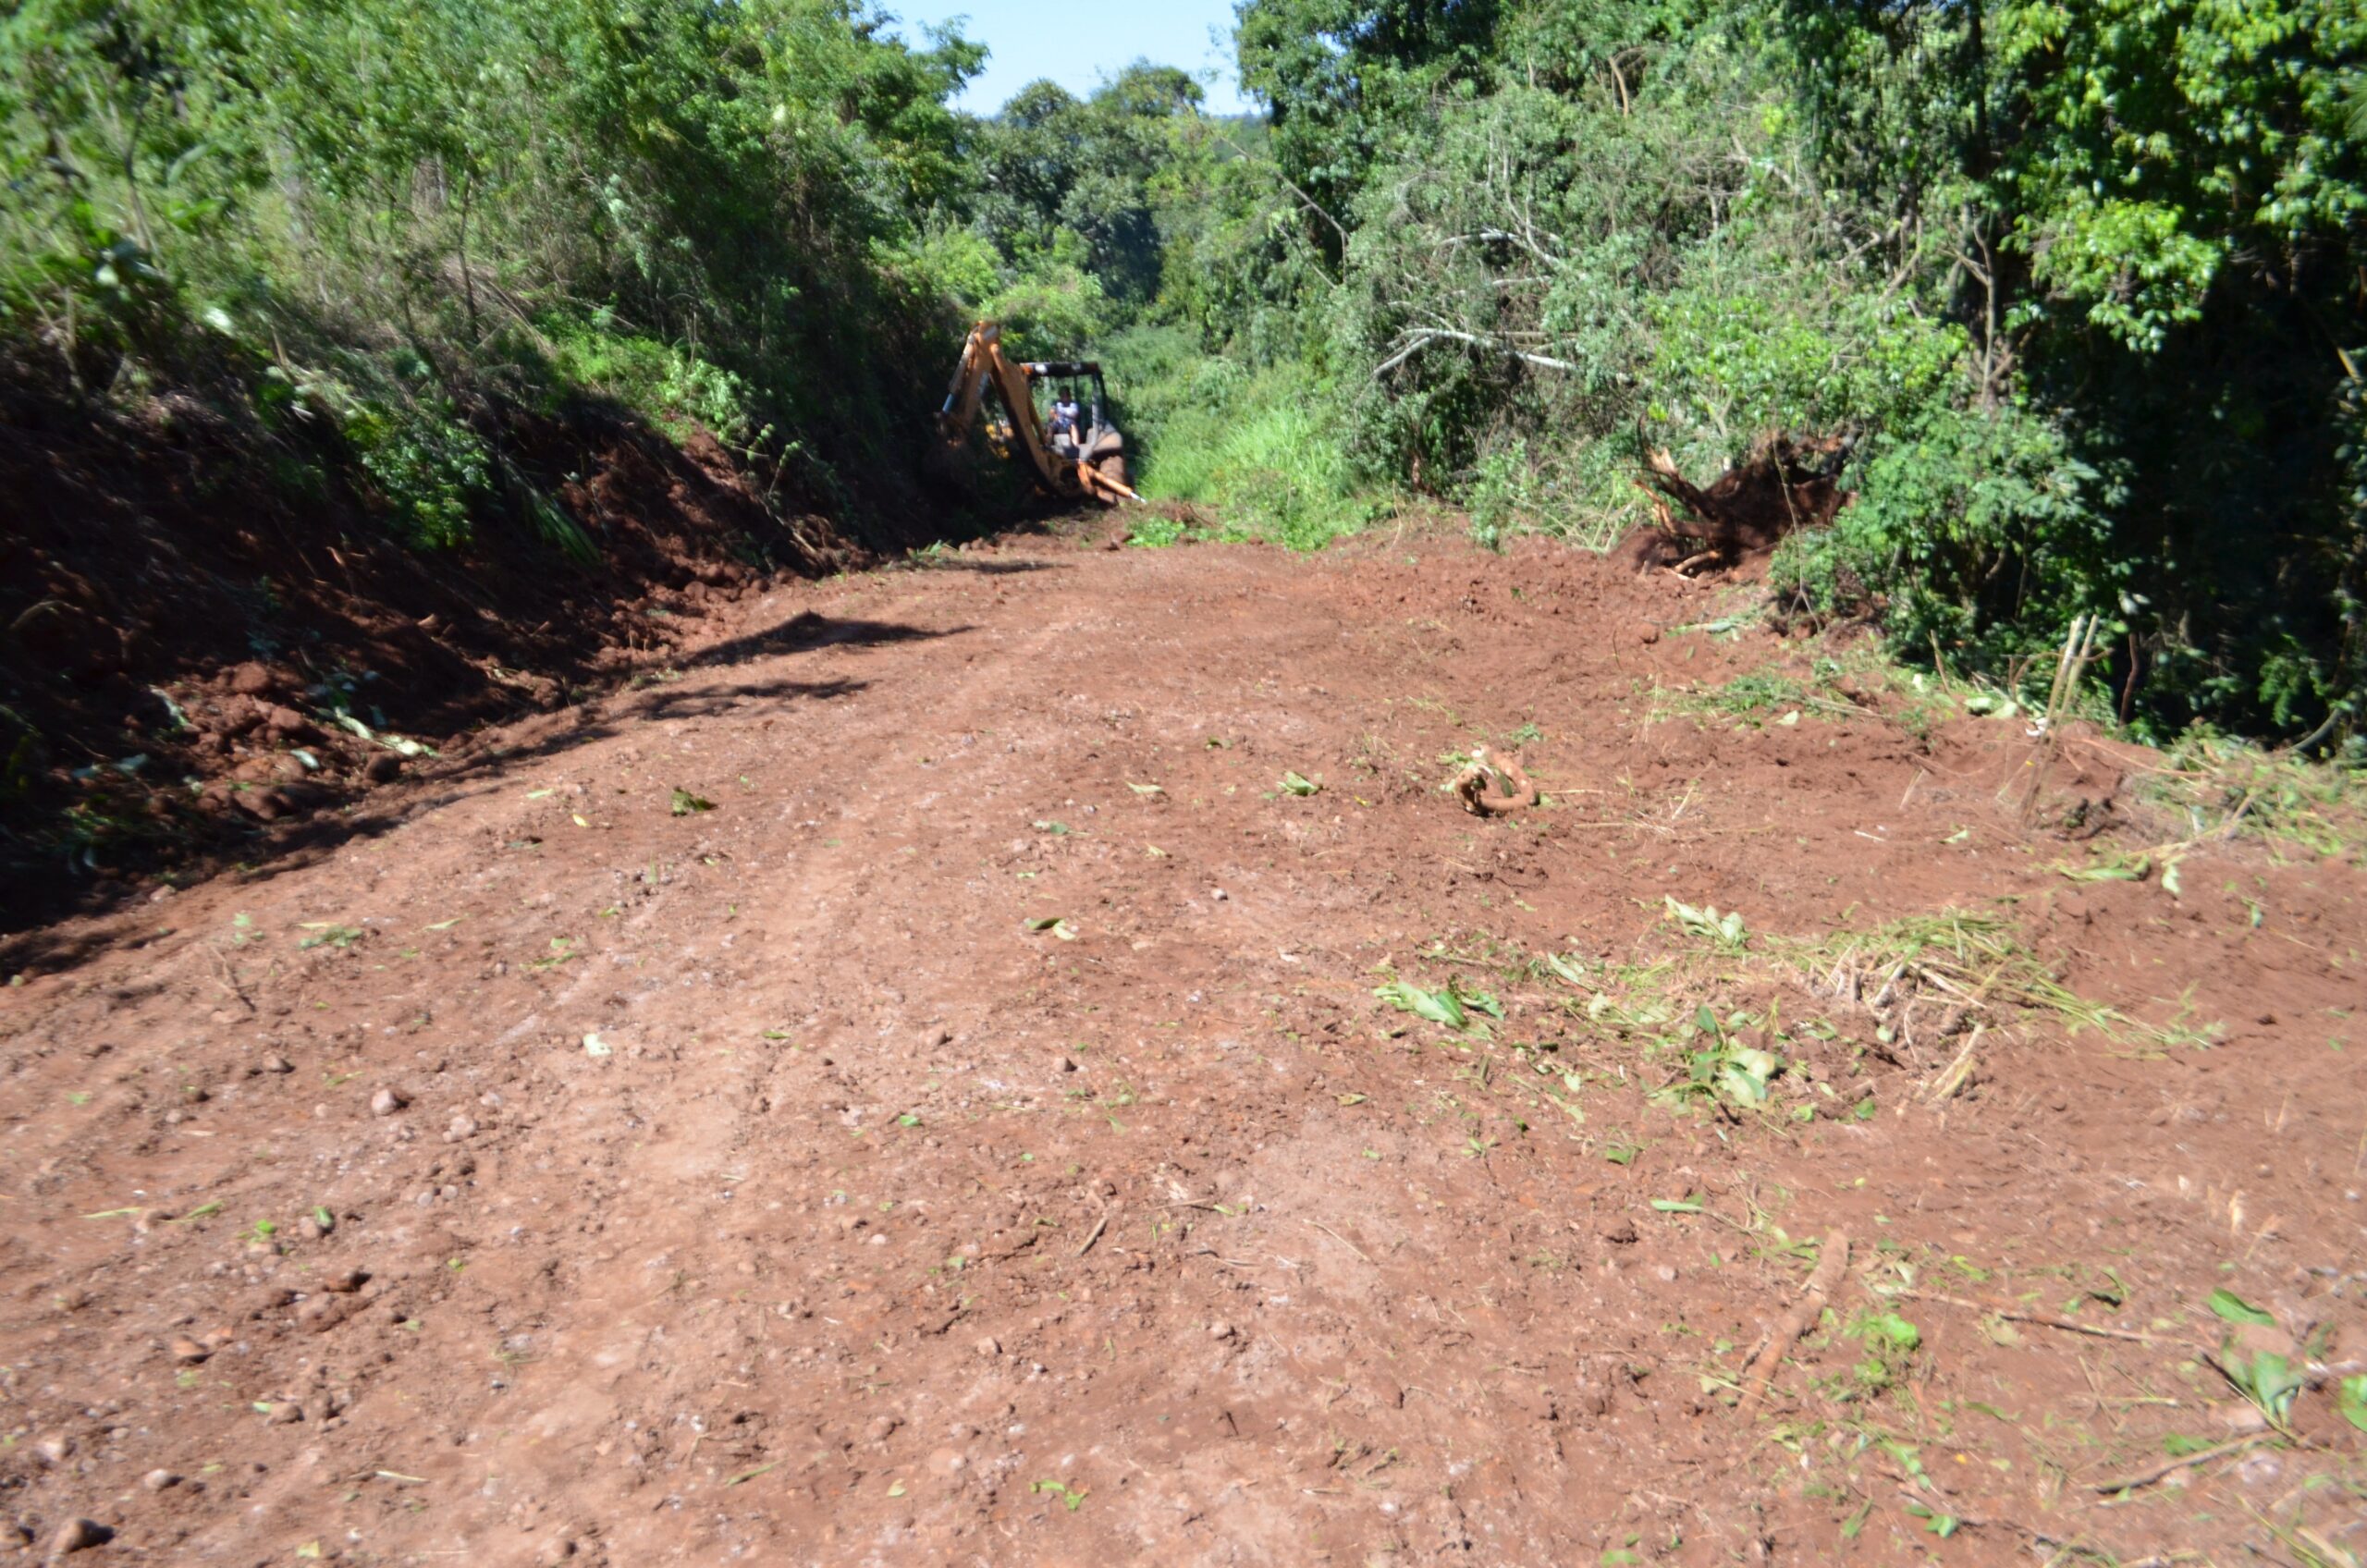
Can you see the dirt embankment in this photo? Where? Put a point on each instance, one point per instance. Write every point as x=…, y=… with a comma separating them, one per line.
x=188, y=606
x=1020, y=1062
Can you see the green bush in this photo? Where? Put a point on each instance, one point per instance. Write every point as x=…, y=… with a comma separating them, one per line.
x=1263, y=447
x=664, y=383
x=717, y=198
x=1974, y=538
x=426, y=466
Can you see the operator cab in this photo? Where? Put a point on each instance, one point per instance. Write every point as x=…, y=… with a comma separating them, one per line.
x=1076, y=425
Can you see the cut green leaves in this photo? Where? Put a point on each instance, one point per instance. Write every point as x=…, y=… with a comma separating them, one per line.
x=1719, y=1063
x=2120, y=868
x=2269, y=1380
x=1940, y=1525
x=2236, y=1309
x=1886, y=1329
x=395, y=743
x=1450, y=1004
x=2350, y=1400
x=1707, y=925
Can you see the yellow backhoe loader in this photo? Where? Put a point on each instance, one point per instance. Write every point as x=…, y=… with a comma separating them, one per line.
x=1077, y=455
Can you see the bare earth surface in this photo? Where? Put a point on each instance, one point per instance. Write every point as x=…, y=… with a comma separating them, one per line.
x=761, y=1183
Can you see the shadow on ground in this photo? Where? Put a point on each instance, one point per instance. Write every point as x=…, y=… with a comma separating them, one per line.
x=260, y=852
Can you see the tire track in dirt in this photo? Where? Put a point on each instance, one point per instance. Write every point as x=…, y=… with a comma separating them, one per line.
x=682, y=1221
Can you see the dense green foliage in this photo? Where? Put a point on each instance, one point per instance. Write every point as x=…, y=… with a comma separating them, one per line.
x=2151, y=214
x=2081, y=284
x=391, y=217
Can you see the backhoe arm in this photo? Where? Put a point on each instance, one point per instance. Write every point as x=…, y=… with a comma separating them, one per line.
x=983, y=368
x=966, y=391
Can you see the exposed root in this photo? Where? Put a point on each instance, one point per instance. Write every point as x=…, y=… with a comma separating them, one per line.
x=1959, y=1072
x=2185, y=1461
x=1832, y=1262
x=1784, y=485
x=1494, y=789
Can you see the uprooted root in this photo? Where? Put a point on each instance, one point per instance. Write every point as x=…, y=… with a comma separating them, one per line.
x=1832, y=1262
x=1494, y=789
x=1784, y=484
x=1928, y=979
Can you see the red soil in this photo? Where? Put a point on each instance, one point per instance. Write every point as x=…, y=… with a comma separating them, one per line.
x=754, y=1183
x=173, y=609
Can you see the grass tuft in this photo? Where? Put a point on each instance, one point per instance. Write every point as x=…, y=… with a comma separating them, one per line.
x=2223, y=787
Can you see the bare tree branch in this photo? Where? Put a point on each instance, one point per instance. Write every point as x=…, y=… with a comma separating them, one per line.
x=1414, y=342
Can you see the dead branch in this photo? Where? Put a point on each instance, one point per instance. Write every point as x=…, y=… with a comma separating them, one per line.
x=2048, y=1320
x=1094, y=1236
x=2184, y=1461
x=1832, y=1262
x=1412, y=342
x=1307, y=200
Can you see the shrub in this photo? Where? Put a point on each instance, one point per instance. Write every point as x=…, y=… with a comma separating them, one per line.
x=1974, y=537
x=427, y=467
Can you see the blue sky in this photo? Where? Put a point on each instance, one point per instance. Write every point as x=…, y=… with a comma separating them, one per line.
x=1034, y=39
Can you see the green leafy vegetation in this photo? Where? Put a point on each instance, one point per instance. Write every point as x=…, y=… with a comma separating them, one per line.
x=1707, y=925
x=375, y=232
x=1070, y=1496
x=1741, y=1029
x=1890, y=1343
x=1450, y=1004
x=2078, y=297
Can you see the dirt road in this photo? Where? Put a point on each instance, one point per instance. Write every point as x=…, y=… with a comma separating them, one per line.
x=904, y=1082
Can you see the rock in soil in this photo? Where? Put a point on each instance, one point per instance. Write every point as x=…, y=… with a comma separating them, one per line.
x=79, y=1534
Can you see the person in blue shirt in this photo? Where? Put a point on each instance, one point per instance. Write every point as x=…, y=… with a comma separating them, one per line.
x=1063, y=431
